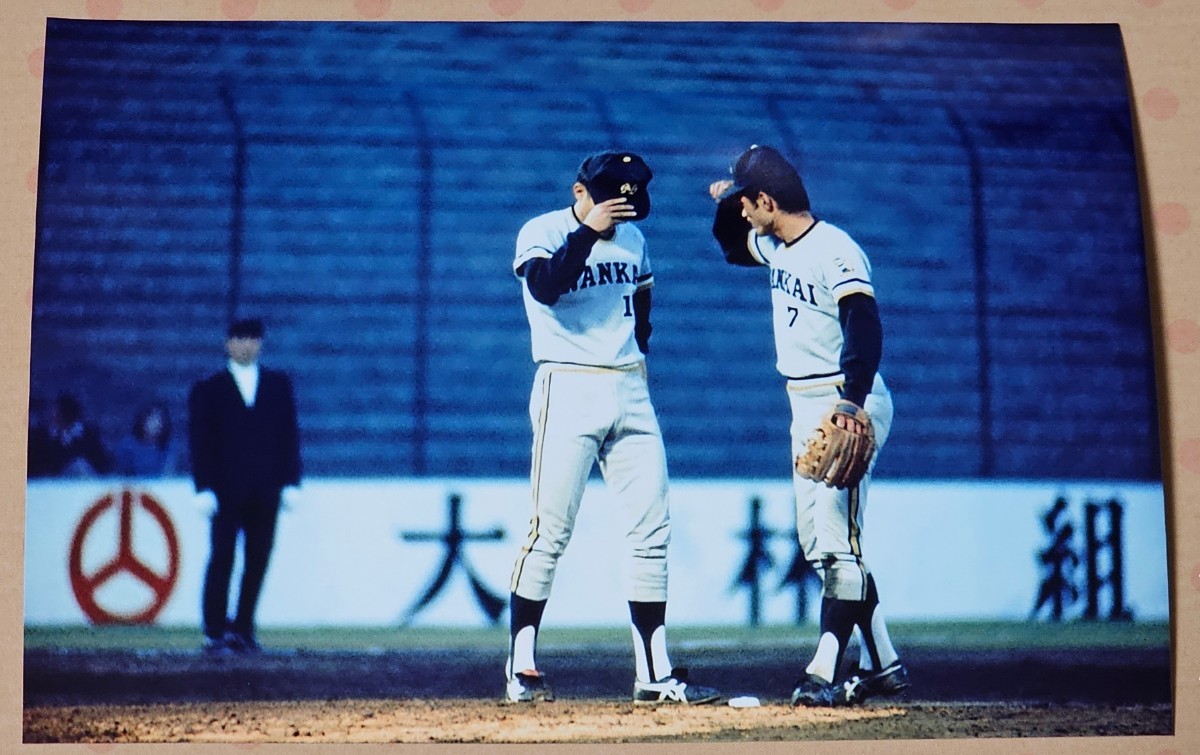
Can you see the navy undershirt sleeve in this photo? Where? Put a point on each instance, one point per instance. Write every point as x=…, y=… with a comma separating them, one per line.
x=730, y=230
x=550, y=278
x=641, y=322
x=862, y=349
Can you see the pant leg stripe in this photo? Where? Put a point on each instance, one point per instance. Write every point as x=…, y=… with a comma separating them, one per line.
x=854, y=534
x=539, y=440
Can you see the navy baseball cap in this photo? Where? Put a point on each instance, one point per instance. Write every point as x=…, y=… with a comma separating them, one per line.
x=246, y=328
x=763, y=168
x=608, y=175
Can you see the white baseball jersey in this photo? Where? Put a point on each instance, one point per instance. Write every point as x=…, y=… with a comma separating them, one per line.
x=592, y=324
x=808, y=278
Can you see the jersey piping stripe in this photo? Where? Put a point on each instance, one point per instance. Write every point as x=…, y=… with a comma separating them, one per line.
x=755, y=250
x=536, y=479
x=815, y=381
x=806, y=232
x=863, y=281
x=536, y=252
x=858, y=288
x=815, y=376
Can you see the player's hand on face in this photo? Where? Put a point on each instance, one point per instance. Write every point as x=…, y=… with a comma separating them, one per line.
x=608, y=213
x=717, y=188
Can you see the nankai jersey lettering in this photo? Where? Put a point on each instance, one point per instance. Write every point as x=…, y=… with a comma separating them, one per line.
x=808, y=277
x=593, y=322
x=605, y=272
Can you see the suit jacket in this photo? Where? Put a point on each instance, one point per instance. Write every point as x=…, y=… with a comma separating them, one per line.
x=240, y=452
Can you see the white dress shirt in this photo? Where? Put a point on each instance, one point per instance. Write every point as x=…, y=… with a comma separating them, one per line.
x=246, y=377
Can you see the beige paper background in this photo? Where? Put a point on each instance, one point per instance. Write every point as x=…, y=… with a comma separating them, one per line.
x=1161, y=37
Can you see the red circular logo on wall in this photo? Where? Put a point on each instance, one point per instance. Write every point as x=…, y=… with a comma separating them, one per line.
x=124, y=560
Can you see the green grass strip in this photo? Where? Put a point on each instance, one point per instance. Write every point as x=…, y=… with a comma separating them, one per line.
x=957, y=634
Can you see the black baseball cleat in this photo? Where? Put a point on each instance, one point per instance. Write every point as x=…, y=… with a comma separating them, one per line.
x=242, y=643
x=814, y=692
x=527, y=688
x=891, y=681
x=673, y=689
x=216, y=646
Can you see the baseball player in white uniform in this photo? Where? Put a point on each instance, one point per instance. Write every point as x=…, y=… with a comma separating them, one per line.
x=828, y=342
x=586, y=281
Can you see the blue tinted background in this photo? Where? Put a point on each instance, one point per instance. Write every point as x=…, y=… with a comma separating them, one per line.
x=360, y=186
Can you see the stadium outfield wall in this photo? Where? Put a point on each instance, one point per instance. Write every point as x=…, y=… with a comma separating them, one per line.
x=384, y=552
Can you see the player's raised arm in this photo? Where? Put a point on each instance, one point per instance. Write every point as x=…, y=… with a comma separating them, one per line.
x=550, y=277
x=730, y=227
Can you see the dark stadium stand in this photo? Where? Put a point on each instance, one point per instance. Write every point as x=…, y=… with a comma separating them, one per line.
x=371, y=179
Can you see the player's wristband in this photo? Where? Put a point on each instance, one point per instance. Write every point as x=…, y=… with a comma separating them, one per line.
x=854, y=395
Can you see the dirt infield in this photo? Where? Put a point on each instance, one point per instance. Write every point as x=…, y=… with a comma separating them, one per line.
x=454, y=696
x=489, y=721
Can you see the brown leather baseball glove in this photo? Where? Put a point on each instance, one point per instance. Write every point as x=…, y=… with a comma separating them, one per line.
x=840, y=450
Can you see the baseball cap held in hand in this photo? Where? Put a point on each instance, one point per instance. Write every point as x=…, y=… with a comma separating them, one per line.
x=764, y=169
x=608, y=175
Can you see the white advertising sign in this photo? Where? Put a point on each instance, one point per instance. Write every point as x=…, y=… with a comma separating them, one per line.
x=384, y=552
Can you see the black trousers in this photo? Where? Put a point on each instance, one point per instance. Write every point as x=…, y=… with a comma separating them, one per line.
x=255, y=520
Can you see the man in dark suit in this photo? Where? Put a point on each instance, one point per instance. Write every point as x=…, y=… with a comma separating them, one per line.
x=245, y=449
